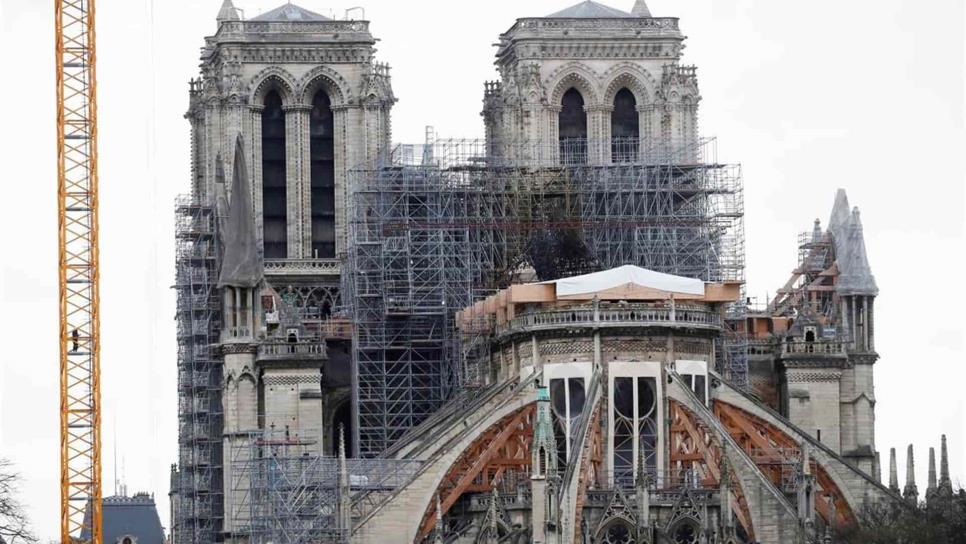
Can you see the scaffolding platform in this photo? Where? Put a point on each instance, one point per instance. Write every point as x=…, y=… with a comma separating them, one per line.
x=436, y=227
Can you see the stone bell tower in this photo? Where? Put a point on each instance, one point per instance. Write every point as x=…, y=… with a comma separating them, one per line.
x=287, y=103
x=591, y=84
x=310, y=100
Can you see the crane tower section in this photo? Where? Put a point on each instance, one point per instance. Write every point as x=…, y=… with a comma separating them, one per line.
x=78, y=270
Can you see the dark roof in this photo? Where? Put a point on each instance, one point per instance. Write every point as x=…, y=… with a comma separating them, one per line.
x=589, y=10
x=135, y=516
x=290, y=12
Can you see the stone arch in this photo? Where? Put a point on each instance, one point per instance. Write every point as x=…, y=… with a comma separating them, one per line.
x=269, y=79
x=576, y=76
x=685, y=531
x=630, y=81
x=616, y=530
x=637, y=79
x=326, y=79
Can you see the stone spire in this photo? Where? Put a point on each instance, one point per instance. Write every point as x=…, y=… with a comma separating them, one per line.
x=910, y=492
x=344, y=513
x=228, y=12
x=877, y=468
x=724, y=494
x=241, y=265
x=643, y=484
x=817, y=231
x=640, y=9
x=806, y=488
x=931, y=486
x=893, y=471
x=945, y=484
x=438, y=539
x=855, y=275
x=841, y=212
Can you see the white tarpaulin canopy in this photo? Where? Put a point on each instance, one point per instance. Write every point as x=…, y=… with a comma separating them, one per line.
x=627, y=275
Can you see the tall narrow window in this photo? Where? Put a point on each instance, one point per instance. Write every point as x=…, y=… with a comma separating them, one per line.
x=573, y=128
x=323, y=177
x=567, y=397
x=625, y=127
x=274, y=206
x=634, y=412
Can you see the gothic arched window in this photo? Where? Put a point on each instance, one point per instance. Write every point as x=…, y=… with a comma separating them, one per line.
x=625, y=127
x=274, y=204
x=573, y=128
x=322, y=149
x=618, y=532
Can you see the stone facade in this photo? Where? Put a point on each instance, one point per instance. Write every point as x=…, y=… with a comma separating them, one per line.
x=621, y=417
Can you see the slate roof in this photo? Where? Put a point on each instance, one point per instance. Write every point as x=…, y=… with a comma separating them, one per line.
x=855, y=274
x=589, y=10
x=641, y=9
x=135, y=516
x=290, y=12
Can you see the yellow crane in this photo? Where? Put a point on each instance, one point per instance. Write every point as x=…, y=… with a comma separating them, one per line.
x=80, y=411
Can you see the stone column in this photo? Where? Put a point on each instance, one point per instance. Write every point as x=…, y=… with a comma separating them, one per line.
x=256, y=169
x=294, y=184
x=596, y=133
x=304, y=114
x=342, y=145
x=549, y=149
x=645, y=120
x=606, y=134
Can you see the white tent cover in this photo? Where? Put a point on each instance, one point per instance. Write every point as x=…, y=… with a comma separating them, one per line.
x=623, y=275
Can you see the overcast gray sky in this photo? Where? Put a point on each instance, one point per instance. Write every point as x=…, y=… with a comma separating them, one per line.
x=808, y=96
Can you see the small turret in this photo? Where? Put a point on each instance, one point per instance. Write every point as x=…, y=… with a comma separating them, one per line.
x=945, y=486
x=931, y=485
x=344, y=513
x=893, y=471
x=640, y=9
x=910, y=492
x=228, y=12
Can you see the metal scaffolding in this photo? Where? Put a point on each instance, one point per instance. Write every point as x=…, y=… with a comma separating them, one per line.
x=439, y=226
x=198, y=479
x=288, y=494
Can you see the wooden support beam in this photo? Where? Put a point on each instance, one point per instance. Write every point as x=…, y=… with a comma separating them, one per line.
x=479, y=467
x=763, y=436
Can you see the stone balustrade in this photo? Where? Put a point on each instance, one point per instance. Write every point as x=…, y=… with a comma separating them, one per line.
x=820, y=348
x=640, y=316
x=302, y=267
x=281, y=350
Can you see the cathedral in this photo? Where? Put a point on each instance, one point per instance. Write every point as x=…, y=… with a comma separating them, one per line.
x=541, y=336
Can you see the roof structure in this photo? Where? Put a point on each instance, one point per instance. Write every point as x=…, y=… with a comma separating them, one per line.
x=241, y=266
x=591, y=10
x=290, y=12
x=628, y=279
x=135, y=517
x=855, y=274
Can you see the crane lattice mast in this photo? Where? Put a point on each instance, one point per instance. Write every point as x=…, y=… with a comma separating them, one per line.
x=80, y=417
